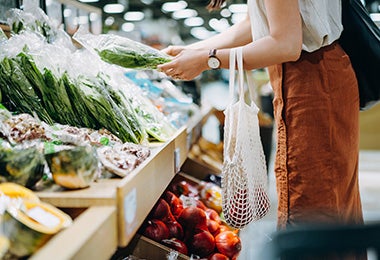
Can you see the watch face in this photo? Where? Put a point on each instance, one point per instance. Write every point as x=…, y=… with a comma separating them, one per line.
x=213, y=62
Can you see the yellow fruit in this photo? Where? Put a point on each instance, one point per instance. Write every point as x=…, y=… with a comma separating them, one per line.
x=31, y=226
x=14, y=191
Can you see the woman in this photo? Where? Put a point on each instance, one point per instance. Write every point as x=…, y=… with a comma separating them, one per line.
x=316, y=102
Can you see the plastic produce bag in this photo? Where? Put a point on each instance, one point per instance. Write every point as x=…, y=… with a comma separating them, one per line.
x=24, y=166
x=121, y=51
x=35, y=20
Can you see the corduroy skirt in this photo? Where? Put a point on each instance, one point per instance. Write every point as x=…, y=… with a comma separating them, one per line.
x=316, y=109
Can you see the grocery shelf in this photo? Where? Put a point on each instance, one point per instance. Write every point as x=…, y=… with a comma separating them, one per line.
x=119, y=205
x=134, y=195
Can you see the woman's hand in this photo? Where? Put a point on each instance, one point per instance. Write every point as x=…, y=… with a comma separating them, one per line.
x=186, y=64
x=173, y=50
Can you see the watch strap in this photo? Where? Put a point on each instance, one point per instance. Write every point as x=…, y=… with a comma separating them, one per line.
x=212, y=53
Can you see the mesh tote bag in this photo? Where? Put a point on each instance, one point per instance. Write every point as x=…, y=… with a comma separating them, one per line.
x=244, y=175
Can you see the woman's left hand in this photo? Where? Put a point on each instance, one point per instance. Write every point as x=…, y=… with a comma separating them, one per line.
x=186, y=65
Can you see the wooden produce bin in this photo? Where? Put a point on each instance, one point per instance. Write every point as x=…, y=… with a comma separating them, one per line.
x=93, y=235
x=143, y=247
x=133, y=196
x=114, y=209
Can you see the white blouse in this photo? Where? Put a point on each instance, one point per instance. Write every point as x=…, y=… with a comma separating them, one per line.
x=321, y=21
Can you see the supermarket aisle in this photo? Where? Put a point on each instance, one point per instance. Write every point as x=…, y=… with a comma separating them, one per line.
x=256, y=234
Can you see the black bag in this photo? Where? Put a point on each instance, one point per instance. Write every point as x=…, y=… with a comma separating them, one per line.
x=361, y=41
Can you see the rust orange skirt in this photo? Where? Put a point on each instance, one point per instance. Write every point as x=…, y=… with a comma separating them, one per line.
x=316, y=108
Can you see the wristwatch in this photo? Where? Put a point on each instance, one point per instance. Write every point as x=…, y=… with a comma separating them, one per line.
x=213, y=62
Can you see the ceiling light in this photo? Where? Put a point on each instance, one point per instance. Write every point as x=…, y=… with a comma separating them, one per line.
x=193, y=21
x=134, y=16
x=173, y=6
x=237, y=17
x=219, y=25
x=238, y=8
x=375, y=16
x=88, y=1
x=109, y=21
x=201, y=33
x=225, y=13
x=147, y=2
x=127, y=27
x=185, y=13
x=67, y=12
x=113, y=8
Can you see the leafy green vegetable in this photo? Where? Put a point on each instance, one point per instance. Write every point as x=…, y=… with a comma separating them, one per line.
x=131, y=59
x=52, y=92
x=124, y=108
x=104, y=109
x=78, y=104
x=57, y=97
x=19, y=95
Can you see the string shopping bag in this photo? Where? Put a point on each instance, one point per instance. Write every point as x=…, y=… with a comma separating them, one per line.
x=244, y=175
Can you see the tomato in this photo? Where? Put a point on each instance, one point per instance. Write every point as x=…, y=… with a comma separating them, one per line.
x=228, y=243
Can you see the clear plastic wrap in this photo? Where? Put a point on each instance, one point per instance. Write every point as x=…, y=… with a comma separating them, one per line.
x=121, y=51
x=35, y=20
x=24, y=166
x=69, y=86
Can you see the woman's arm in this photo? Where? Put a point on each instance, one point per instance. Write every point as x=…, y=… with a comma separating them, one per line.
x=237, y=35
x=284, y=43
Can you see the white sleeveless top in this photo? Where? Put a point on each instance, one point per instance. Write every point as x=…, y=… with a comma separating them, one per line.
x=321, y=21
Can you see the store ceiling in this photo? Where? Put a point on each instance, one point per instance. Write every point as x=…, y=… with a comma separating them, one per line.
x=154, y=9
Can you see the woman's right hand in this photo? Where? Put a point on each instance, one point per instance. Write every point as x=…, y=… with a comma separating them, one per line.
x=173, y=50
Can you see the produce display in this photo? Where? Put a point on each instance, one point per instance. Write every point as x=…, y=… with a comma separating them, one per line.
x=73, y=168
x=27, y=223
x=60, y=83
x=69, y=118
x=181, y=221
x=33, y=152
